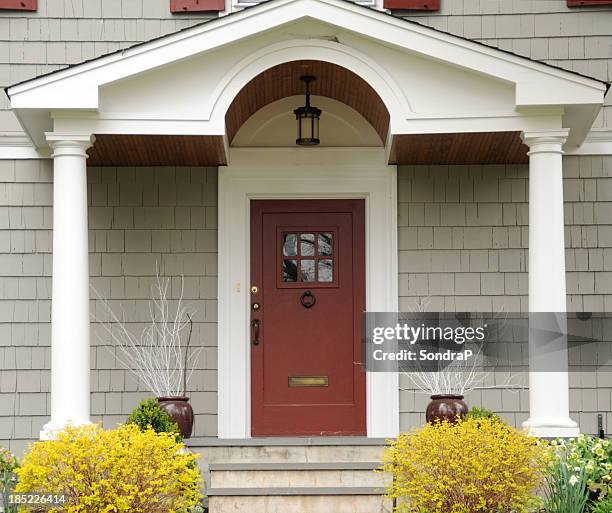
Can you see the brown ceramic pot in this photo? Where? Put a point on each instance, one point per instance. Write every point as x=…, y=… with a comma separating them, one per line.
x=446, y=407
x=180, y=411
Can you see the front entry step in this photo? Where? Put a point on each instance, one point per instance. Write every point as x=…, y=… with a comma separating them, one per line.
x=297, y=478
x=300, y=504
x=335, y=476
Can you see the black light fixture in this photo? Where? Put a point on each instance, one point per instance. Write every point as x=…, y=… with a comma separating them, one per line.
x=307, y=118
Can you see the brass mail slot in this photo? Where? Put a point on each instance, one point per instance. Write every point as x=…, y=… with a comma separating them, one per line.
x=308, y=381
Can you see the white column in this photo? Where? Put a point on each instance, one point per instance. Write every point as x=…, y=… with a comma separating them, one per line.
x=548, y=375
x=70, y=387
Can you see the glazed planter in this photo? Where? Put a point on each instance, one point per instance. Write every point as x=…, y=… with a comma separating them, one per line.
x=180, y=411
x=446, y=407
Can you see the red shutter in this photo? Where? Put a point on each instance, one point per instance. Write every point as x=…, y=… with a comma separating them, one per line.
x=413, y=5
x=177, y=6
x=18, y=5
x=579, y=3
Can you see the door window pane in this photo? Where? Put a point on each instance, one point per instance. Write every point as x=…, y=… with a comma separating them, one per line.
x=289, y=270
x=289, y=244
x=308, y=270
x=307, y=242
x=325, y=244
x=326, y=273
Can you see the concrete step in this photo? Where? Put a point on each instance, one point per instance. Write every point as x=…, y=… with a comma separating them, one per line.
x=303, y=475
x=302, y=501
x=298, y=450
x=296, y=491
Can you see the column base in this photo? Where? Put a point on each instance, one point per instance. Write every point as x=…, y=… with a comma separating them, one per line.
x=52, y=428
x=552, y=427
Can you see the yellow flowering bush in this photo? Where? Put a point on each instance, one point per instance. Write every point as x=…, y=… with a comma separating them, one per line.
x=475, y=465
x=119, y=470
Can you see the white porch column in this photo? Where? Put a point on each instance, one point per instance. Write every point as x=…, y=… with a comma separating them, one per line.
x=70, y=361
x=548, y=364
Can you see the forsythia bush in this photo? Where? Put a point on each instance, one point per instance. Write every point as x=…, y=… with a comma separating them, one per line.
x=475, y=465
x=120, y=470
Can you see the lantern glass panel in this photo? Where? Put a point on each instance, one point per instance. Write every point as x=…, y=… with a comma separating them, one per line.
x=304, y=132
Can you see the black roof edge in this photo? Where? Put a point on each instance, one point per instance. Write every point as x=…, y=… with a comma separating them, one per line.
x=254, y=6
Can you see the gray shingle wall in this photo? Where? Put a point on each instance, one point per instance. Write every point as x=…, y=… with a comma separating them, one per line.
x=139, y=218
x=463, y=242
x=588, y=232
x=25, y=307
x=142, y=219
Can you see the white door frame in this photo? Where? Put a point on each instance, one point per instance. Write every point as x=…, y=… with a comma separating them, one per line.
x=301, y=173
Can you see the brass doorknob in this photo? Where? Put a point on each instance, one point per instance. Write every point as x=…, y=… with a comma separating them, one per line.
x=255, y=306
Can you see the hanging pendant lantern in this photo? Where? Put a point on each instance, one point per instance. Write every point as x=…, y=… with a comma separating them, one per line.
x=307, y=119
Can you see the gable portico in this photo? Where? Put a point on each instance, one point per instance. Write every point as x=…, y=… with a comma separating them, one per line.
x=429, y=83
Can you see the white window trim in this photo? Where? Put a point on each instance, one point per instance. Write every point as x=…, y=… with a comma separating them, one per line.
x=283, y=173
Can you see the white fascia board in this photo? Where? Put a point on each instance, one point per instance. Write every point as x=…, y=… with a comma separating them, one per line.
x=18, y=147
x=597, y=142
x=425, y=125
x=501, y=123
x=77, y=87
x=139, y=126
x=15, y=146
x=544, y=93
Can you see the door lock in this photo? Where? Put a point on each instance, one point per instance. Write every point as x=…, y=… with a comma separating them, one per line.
x=255, y=306
x=254, y=289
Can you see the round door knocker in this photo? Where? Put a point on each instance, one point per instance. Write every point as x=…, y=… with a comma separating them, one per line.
x=308, y=300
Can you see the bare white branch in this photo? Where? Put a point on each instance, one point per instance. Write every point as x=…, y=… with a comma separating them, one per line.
x=157, y=356
x=458, y=377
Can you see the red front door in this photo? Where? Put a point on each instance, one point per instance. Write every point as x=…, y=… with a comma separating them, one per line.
x=307, y=297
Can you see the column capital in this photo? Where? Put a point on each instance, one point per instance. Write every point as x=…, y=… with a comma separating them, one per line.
x=70, y=144
x=545, y=141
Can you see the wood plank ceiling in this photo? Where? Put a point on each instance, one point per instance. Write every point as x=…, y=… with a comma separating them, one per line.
x=157, y=150
x=331, y=81
x=464, y=148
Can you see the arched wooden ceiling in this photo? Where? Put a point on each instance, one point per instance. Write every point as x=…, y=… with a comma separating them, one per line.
x=332, y=81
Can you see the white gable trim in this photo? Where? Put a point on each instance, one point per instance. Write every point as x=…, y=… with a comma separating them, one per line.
x=527, y=74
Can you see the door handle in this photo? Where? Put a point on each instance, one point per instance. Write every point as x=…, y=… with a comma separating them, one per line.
x=255, y=324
